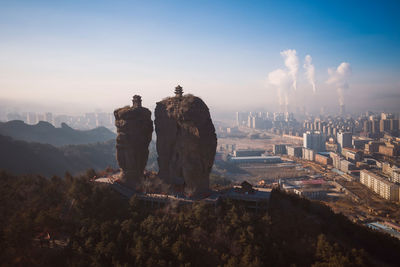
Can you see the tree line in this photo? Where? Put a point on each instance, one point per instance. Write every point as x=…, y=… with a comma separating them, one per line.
x=90, y=224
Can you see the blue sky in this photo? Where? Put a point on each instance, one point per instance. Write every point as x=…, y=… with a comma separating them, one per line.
x=98, y=53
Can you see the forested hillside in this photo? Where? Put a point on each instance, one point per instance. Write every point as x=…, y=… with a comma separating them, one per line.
x=91, y=225
x=21, y=157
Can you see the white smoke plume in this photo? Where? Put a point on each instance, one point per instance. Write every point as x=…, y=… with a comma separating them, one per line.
x=339, y=78
x=310, y=71
x=292, y=63
x=281, y=79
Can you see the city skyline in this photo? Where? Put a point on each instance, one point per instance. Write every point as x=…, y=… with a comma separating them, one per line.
x=94, y=55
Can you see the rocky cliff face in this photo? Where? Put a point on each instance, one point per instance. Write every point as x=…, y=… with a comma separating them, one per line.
x=134, y=127
x=186, y=143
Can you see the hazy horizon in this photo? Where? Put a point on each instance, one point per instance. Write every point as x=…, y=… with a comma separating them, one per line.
x=81, y=57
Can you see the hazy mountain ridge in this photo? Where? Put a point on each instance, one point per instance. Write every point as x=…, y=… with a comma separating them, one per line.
x=46, y=133
x=22, y=157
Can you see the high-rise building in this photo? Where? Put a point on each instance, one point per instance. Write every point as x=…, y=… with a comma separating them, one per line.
x=317, y=125
x=394, y=125
x=258, y=123
x=373, y=146
x=279, y=149
x=278, y=116
x=294, y=151
x=335, y=160
x=250, y=121
x=367, y=126
x=375, y=127
x=384, y=125
x=334, y=131
x=241, y=118
x=289, y=116
x=308, y=154
x=329, y=131
x=386, y=116
x=31, y=118
x=237, y=119
x=314, y=140
x=373, y=117
x=368, y=113
x=49, y=117
x=344, y=139
x=359, y=142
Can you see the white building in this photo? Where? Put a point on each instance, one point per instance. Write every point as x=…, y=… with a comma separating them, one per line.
x=396, y=176
x=308, y=154
x=311, y=193
x=294, y=151
x=335, y=160
x=344, y=139
x=380, y=185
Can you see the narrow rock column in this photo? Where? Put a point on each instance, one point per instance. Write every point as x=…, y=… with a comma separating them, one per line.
x=134, y=128
x=186, y=142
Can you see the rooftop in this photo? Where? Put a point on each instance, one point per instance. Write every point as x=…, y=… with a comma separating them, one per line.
x=244, y=150
x=351, y=149
x=313, y=182
x=256, y=158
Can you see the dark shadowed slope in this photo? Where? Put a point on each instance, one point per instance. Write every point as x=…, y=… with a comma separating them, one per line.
x=21, y=157
x=45, y=133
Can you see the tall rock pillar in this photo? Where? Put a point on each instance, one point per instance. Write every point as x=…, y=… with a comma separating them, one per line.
x=186, y=142
x=135, y=128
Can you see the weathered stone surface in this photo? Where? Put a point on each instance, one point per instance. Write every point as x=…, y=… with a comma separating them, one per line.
x=135, y=128
x=186, y=143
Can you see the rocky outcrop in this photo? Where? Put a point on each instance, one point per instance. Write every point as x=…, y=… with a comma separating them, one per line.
x=135, y=128
x=186, y=142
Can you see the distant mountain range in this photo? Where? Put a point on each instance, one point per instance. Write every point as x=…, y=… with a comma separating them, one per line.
x=22, y=157
x=46, y=133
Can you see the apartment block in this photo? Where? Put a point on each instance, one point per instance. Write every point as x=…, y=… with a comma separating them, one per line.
x=380, y=185
x=294, y=151
x=308, y=154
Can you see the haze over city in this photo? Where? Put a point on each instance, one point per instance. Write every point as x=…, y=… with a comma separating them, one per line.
x=199, y=133
x=81, y=56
